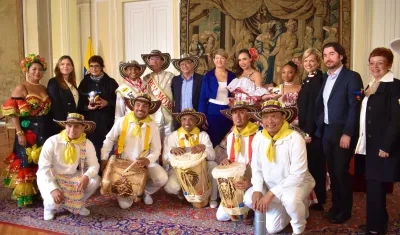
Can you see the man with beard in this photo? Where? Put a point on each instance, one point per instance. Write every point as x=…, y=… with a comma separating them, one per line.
x=239, y=143
x=337, y=118
x=135, y=133
x=189, y=135
x=280, y=177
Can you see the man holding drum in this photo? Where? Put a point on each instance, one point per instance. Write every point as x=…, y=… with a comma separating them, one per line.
x=59, y=181
x=189, y=136
x=280, y=164
x=239, y=148
x=136, y=133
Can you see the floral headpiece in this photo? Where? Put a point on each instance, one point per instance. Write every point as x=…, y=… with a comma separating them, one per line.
x=27, y=61
x=253, y=53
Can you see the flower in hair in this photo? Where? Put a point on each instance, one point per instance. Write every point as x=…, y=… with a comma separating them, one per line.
x=253, y=53
x=28, y=60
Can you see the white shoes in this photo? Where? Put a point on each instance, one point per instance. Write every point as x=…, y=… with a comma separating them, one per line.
x=124, y=203
x=84, y=211
x=148, y=200
x=48, y=214
x=213, y=204
x=180, y=196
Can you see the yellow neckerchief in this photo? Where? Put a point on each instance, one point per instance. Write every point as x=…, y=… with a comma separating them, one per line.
x=249, y=130
x=282, y=133
x=70, y=151
x=182, y=135
x=137, y=131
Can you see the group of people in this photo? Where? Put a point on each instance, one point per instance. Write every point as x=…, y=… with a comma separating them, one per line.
x=287, y=136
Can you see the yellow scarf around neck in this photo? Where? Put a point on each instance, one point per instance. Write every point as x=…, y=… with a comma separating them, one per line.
x=249, y=130
x=282, y=133
x=137, y=131
x=70, y=151
x=190, y=136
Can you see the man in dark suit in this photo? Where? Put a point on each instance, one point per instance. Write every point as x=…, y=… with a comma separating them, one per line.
x=186, y=86
x=337, y=117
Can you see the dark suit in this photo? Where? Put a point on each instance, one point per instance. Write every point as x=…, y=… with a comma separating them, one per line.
x=382, y=131
x=62, y=103
x=177, y=91
x=315, y=155
x=343, y=114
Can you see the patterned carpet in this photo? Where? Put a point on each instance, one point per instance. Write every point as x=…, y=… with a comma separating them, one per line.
x=168, y=215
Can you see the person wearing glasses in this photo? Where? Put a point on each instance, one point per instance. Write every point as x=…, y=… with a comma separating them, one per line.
x=97, y=101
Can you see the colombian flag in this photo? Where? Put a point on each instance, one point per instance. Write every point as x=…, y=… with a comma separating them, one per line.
x=89, y=53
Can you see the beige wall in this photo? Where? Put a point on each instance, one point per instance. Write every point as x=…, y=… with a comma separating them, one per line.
x=11, y=46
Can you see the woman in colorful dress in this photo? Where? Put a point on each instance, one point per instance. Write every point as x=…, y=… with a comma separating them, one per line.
x=27, y=109
x=214, y=97
x=133, y=85
x=63, y=91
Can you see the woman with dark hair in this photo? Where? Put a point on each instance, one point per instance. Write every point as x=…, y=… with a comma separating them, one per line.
x=379, y=140
x=306, y=104
x=289, y=91
x=100, y=88
x=27, y=109
x=63, y=91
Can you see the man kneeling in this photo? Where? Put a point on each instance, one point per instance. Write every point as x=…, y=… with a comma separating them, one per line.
x=280, y=163
x=68, y=168
x=189, y=135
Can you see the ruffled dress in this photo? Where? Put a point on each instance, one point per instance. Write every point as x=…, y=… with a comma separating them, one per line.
x=244, y=88
x=20, y=172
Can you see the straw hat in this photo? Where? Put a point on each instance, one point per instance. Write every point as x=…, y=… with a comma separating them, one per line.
x=240, y=105
x=133, y=63
x=201, y=118
x=176, y=62
x=154, y=105
x=271, y=106
x=164, y=56
x=76, y=118
x=395, y=45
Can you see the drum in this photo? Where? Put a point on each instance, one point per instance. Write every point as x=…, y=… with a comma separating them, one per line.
x=192, y=172
x=122, y=179
x=231, y=198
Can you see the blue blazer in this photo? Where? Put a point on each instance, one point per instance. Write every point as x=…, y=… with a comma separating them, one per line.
x=209, y=88
x=343, y=106
x=177, y=91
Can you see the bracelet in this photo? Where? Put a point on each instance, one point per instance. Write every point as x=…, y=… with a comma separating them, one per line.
x=19, y=133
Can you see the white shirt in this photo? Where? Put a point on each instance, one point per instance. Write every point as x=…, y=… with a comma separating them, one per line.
x=330, y=82
x=172, y=141
x=240, y=158
x=120, y=106
x=222, y=94
x=52, y=160
x=289, y=168
x=361, y=147
x=134, y=145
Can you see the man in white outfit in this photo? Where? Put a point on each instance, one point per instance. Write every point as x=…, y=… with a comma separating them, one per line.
x=238, y=145
x=159, y=84
x=135, y=133
x=189, y=135
x=59, y=159
x=280, y=177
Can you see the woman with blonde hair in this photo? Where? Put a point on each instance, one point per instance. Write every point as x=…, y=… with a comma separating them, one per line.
x=306, y=104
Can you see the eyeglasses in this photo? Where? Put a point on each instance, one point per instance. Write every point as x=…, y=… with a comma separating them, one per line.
x=377, y=64
x=155, y=58
x=94, y=66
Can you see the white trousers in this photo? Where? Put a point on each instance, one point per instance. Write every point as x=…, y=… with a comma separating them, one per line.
x=291, y=208
x=173, y=186
x=48, y=201
x=157, y=177
x=164, y=122
x=222, y=215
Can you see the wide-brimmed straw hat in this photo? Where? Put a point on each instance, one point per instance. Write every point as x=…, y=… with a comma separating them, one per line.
x=133, y=63
x=240, y=104
x=154, y=105
x=201, y=118
x=395, y=45
x=271, y=106
x=176, y=62
x=76, y=118
x=164, y=56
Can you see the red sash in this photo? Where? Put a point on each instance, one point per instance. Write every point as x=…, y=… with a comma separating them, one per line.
x=159, y=94
x=232, y=156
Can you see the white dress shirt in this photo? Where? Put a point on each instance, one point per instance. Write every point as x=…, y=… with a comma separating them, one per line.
x=172, y=141
x=330, y=82
x=240, y=158
x=134, y=145
x=289, y=168
x=52, y=160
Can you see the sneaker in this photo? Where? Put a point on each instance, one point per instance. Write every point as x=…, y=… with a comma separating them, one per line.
x=148, y=200
x=213, y=204
x=48, y=215
x=84, y=211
